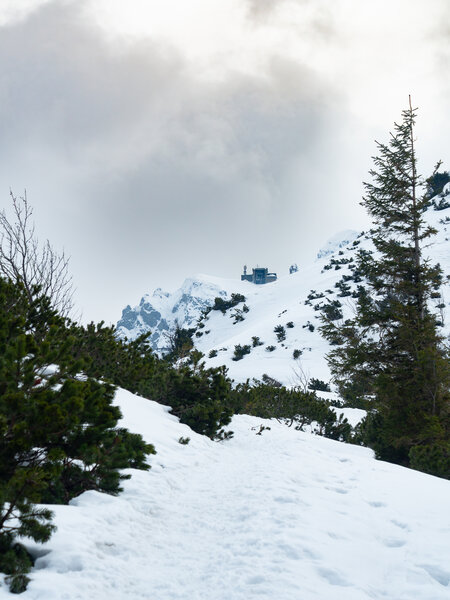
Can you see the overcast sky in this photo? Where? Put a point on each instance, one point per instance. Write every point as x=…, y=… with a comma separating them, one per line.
x=158, y=139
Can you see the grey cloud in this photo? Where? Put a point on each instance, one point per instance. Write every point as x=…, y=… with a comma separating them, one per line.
x=317, y=22
x=259, y=10
x=147, y=174
x=59, y=78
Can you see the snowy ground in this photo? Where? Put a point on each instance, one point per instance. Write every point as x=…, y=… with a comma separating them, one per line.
x=283, y=516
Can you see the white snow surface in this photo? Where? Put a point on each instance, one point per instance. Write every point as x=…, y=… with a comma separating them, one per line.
x=339, y=240
x=284, y=515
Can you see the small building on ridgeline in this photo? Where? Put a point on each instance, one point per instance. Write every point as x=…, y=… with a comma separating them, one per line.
x=260, y=275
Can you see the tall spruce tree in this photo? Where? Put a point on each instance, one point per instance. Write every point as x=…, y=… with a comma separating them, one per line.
x=391, y=348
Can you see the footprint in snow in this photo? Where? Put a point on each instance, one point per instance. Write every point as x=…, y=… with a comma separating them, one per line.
x=338, y=490
x=400, y=524
x=256, y=580
x=332, y=577
x=394, y=543
x=289, y=551
x=438, y=574
x=284, y=499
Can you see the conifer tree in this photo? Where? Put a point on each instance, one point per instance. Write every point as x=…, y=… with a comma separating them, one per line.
x=392, y=348
x=58, y=430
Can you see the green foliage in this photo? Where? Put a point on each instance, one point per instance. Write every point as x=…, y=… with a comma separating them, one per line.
x=281, y=332
x=296, y=354
x=442, y=203
x=189, y=389
x=332, y=310
x=15, y=562
x=434, y=187
x=308, y=325
x=240, y=351
x=201, y=398
x=237, y=316
x=432, y=458
x=180, y=343
x=313, y=295
x=256, y=341
x=270, y=348
x=58, y=434
x=290, y=324
x=224, y=305
x=389, y=356
x=318, y=385
x=295, y=407
x=270, y=381
x=212, y=354
x=344, y=288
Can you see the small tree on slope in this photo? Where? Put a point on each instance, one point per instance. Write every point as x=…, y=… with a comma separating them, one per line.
x=392, y=347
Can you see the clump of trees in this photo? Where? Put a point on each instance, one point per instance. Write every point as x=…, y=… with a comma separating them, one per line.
x=318, y=385
x=294, y=407
x=224, y=305
x=390, y=354
x=59, y=433
x=435, y=187
x=240, y=351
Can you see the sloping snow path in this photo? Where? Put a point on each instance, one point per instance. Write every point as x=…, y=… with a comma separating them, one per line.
x=283, y=515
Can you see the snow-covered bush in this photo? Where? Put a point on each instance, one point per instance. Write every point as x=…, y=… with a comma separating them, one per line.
x=281, y=332
x=240, y=351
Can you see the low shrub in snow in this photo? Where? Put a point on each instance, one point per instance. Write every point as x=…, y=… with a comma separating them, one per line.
x=295, y=407
x=318, y=385
x=281, y=333
x=240, y=352
x=256, y=341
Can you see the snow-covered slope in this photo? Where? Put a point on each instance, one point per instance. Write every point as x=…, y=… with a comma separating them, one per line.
x=284, y=515
x=292, y=302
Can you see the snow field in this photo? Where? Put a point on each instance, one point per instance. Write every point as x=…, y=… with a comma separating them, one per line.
x=283, y=515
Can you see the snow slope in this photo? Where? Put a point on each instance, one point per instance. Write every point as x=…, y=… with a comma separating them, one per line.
x=291, y=299
x=297, y=299
x=284, y=515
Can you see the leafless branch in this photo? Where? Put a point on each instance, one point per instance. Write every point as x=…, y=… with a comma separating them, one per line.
x=301, y=377
x=39, y=268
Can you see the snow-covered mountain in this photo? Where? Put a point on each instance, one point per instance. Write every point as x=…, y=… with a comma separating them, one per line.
x=291, y=304
x=160, y=312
